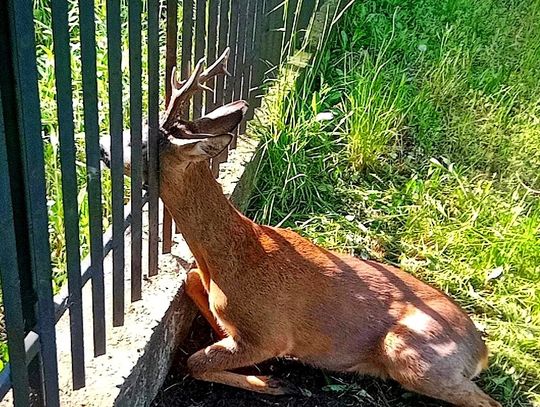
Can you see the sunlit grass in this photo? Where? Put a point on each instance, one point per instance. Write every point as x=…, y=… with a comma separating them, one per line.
x=431, y=160
x=47, y=89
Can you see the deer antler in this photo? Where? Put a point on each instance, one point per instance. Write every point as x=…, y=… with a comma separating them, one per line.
x=217, y=68
x=182, y=91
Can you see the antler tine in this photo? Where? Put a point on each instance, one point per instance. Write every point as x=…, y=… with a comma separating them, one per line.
x=181, y=93
x=175, y=84
x=218, y=67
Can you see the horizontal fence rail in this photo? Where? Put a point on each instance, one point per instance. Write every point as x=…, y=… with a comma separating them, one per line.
x=258, y=32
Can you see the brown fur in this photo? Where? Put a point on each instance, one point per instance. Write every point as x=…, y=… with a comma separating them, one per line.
x=269, y=292
x=274, y=293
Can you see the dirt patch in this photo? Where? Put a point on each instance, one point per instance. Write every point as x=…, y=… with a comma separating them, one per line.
x=316, y=387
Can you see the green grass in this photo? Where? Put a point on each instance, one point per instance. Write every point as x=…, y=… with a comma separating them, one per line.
x=47, y=90
x=431, y=162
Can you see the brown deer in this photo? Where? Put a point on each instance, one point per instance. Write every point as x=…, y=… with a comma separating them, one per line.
x=268, y=292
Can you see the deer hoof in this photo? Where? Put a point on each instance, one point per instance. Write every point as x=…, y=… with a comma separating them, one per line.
x=282, y=387
x=270, y=385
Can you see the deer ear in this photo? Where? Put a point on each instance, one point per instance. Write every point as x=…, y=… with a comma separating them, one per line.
x=204, y=149
x=222, y=120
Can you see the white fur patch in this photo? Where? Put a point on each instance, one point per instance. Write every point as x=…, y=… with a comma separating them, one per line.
x=417, y=321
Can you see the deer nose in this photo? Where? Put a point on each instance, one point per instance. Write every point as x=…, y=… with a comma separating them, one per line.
x=105, y=155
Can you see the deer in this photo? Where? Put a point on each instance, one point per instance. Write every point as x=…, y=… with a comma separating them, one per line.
x=268, y=292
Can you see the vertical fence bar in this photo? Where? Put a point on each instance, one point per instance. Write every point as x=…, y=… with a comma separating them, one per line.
x=240, y=54
x=233, y=43
x=258, y=62
x=62, y=65
x=271, y=35
x=171, y=52
x=28, y=295
x=171, y=45
x=307, y=9
x=135, y=124
x=248, y=59
x=240, y=49
x=93, y=171
x=153, y=129
x=224, y=11
x=187, y=41
x=224, y=7
x=200, y=47
x=276, y=21
x=211, y=49
x=114, y=52
x=267, y=48
x=11, y=288
x=33, y=177
x=233, y=36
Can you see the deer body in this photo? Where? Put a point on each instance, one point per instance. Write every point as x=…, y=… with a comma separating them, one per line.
x=269, y=292
x=278, y=294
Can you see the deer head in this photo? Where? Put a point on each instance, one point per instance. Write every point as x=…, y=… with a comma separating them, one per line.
x=182, y=142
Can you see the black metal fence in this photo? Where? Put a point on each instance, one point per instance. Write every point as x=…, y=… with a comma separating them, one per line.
x=259, y=32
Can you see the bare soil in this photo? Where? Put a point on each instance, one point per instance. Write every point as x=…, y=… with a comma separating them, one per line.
x=316, y=388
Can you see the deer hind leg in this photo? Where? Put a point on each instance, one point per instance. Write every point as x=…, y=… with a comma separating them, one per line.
x=198, y=294
x=211, y=365
x=414, y=364
x=464, y=394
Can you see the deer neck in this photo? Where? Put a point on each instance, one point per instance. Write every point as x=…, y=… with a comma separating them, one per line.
x=214, y=230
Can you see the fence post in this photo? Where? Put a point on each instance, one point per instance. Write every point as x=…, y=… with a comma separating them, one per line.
x=10, y=282
x=22, y=122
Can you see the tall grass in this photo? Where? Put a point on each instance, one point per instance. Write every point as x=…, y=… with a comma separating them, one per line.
x=431, y=160
x=47, y=90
